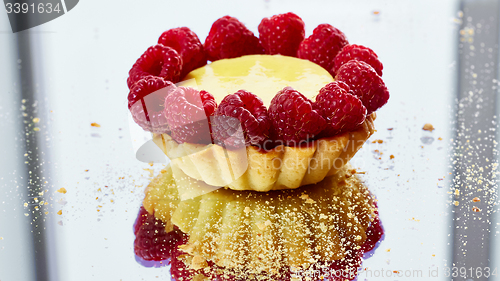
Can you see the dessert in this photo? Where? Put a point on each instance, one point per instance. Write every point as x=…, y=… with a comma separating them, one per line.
x=264, y=169
x=284, y=72
x=274, y=120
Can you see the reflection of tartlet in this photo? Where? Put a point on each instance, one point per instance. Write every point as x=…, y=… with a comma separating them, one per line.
x=246, y=232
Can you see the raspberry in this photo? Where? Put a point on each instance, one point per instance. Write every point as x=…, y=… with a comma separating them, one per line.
x=322, y=46
x=293, y=117
x=281, y=34
x=158, y=60
x=365, y=84
x=229, y=38
x=249, y=112
x=188, y=45
x=145, y=102
x=152, y=242
x=187, y=111
x=342, y=111
x=357, y=52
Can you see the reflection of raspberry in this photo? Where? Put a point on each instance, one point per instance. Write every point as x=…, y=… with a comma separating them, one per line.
x=249, y=112
x=146, y=100
x=323, y=45
x=281, y=34
x=365, y=84
x=152, y=242
x=373, y=235
x=293, y=117
x=158, y=60
x=187, y=44
x=229, y=38
x=187, y=111
x=179, y=269
x=357, y=52
x=342, y=111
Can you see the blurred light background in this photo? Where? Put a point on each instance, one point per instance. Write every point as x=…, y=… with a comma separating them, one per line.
x=441, y=67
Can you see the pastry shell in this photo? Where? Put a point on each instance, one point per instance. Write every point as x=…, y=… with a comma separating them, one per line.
x=251, y=168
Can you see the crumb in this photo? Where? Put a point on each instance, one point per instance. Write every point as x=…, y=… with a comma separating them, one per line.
x=440, y=138
x=390, y=129
x=378, y=141
x=95, y=125
x=476, y=209
x=310, y=201
x=428, y=127
x=456, y=203
x=304, y=196
x=59, y=212
x=388, y=250
x=475, y=199
x=198, y=262
x=36, y=120
x=62, y=190
x=392, y=156
x=376, y=12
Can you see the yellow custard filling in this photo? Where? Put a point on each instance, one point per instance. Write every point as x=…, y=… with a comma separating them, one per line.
x=263, y=75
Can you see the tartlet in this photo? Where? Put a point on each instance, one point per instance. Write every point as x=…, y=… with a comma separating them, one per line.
x=255, y=168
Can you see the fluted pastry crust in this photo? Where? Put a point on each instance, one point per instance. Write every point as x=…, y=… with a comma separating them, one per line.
x=255, y=232
x=251, y=168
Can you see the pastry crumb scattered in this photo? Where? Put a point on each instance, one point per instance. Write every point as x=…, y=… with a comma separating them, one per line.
x=95, y=125
x=59, y=212
x=62, y=190
x=428, y=127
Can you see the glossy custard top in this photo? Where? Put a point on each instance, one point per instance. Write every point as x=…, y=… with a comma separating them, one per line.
x=263, y=75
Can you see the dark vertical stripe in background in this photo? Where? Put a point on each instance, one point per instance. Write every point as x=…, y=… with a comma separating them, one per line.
x=33, y=176
x=474, y=140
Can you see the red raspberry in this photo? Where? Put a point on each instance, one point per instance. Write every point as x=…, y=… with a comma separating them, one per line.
x=158, y=60
x=342, y=111
x=323, y=45
x=293, y=117
x=188, y=45
x=282, y=34
x=188, y=113
x=145, y=102
x=243, y=109
x=365, y=84
x=152, y=241
x=357, y=52
x=229, y=38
